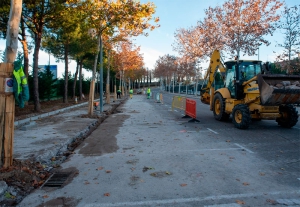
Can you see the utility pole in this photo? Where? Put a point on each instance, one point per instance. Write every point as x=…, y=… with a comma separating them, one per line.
x=147, y=77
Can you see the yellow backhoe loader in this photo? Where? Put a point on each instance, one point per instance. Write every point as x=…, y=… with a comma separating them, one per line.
x=246, y=93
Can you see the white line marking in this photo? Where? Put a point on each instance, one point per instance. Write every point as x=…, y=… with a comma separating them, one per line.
x=298, y=178
x=186, y=200
x=212, y=131
x=243, y=148
x=296, y=127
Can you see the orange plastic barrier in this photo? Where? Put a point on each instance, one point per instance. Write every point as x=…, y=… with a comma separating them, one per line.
x=190, y=108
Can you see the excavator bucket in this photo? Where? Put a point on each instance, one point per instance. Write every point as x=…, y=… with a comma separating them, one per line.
x=279, y=89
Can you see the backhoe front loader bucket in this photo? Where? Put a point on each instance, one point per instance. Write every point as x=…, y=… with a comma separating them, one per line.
x=276, y=90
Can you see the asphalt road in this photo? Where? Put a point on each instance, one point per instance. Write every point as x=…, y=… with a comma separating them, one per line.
x=148, y=155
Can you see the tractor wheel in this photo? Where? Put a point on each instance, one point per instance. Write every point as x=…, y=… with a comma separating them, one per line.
x=289, y=116
x=241, y=116
x=219, y=108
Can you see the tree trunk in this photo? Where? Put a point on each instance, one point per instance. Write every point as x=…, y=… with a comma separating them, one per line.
x=65, y=98
x=36, y=98
x=101, y=75
x=92, y=88
x=13, y=31
x=96, y=58
x=25, y=47
x=75, y=80
x=123, y=83
x=80, y=81
x=107, y=80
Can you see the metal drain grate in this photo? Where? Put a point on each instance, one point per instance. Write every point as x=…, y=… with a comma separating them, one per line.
x=57, y=180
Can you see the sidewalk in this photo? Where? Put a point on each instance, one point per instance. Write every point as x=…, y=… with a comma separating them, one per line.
x=46, y=136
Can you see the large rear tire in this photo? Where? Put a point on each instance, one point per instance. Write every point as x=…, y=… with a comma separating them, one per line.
x=219, y=108
x=241, y=116
x=289, y=116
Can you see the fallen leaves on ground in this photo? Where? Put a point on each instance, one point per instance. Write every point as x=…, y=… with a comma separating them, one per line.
x=161, y=174
x=45, y=196
x=183, y=184
x=145, y=169
x=271, y=201
x=154, y=174
x=100, y=168
x=107, y=194
x=7, y=195
x=245, y=183
x=240, y=202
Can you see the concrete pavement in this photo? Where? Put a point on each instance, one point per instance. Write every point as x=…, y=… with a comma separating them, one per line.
x=146, y=155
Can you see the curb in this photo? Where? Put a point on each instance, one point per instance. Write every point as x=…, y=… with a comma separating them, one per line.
x=26, y=121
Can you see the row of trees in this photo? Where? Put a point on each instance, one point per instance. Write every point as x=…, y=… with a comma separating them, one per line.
x=237, y=27
x=78, y=30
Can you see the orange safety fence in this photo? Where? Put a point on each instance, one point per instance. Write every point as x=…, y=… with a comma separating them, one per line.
x=190, y=108
x=187, y=105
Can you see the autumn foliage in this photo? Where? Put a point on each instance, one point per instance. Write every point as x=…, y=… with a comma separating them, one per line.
x=128, y=61
x=236, y=26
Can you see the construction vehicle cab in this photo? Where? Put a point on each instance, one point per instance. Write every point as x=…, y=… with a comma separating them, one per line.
x=237, y=72
x=246, y=94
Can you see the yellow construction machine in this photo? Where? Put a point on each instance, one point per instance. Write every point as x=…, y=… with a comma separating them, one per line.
x=241, y=89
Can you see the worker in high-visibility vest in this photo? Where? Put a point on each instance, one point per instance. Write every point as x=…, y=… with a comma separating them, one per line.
x=148, y=93
x=118, y=93
x=131, y=93
x=20, y=85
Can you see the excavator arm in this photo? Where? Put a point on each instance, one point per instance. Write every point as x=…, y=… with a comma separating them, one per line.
x=215, y=65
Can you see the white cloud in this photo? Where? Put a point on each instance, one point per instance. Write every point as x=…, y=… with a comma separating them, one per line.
x=150, y=56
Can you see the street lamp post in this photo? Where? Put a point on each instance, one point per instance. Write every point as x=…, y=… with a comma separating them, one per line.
x=101, y=74
x=258, y=52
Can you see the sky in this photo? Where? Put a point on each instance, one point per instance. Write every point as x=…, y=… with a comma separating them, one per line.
x=176, y=14
x=173, y=14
